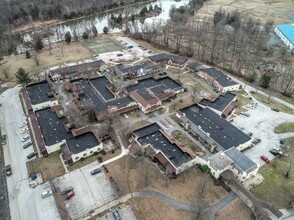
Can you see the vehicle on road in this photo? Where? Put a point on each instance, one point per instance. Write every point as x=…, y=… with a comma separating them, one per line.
x=67, y=190
x=116, y=215
x=276, y=151
x=95, y=171
x=256, y=141
x=276, y=109
x=265, y=159
x=27, y=145
x=22, y=124
x=31, y=155
x=8, y=170
x=24, y=130
x=45, y=194
x=68, y=195
x=25, y=138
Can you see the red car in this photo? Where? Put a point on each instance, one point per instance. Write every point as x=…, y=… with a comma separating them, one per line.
x=68, y=195
x=265, y=159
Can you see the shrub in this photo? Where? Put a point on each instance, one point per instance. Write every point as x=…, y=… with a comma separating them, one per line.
x=103, y=152
x=100, y=159
x=82, y=159
x=204, y=168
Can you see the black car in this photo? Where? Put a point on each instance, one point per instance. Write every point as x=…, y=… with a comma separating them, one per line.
x=256, y=141
x=27, y=145
x=31, y=155
x=8, y=170
x=276, y=109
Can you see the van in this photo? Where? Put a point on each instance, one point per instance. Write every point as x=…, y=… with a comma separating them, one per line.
x=31, y=155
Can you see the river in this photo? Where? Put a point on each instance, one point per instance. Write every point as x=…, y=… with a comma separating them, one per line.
x=101, y=20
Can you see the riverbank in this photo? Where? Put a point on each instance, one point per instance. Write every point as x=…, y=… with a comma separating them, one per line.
x=49, y=24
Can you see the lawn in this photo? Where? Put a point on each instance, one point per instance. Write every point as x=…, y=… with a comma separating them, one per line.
x=185, y=78
x=148, y=46
x=187, y=142
x=50, y=167
x=272, y=103
x=284, y=128
x=102, y=45
x=72, y=52
x=276, y=188
x=241, y=100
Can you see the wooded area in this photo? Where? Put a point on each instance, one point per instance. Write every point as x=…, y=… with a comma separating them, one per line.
x=230, y=41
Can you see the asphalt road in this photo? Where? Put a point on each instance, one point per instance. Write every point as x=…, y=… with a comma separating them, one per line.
x=24, y=202
x=4, y=202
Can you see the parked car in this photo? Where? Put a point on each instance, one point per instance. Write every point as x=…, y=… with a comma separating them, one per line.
x=265, y=159
x=22, y=124
x=27, y=145
x=282, y=142
x=33, y=176
x=68, y=195
x=45, y=194
x=31, y=155
x=276, y=151
x=3, y=139
x=67, y=190
x=245, y=114
x=24, y=130
x=256, y=141
x=95, y=171
x=119, y=55
x=8, y=170
x=249, y=134
x=25, y=138
x=276, y=109
x=116, y=215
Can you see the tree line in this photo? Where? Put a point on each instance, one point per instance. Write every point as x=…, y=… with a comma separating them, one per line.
x=230, y=41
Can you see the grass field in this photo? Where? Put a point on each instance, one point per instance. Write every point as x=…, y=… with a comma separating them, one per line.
x=241, y=101
x=284, y=128
x=50, y=167
x=273, y=103
x=72, y=52
x=276, y=188
x=278, y=11
x=101, y=45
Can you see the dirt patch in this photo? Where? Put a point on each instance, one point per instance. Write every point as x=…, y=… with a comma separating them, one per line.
x=131, y=174
x=72, y=52
x=50, y=167
x=237, y=209
x=152, y=208
x=259, y=9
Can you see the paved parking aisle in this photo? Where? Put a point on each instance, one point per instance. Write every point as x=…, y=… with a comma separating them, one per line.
x=125, y=213
x=91, y=191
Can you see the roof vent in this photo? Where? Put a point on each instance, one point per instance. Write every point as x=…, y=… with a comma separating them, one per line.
x=222, y=155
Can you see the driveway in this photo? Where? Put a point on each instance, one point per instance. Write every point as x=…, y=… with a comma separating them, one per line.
x=91, y=191
x=261, y=123
x=24, y=201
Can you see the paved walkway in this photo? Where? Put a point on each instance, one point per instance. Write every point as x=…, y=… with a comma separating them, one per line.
x=211, y=211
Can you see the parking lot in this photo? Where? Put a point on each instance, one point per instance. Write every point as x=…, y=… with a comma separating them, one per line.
x=125, y=212
x=91, y=191
x=261, y=123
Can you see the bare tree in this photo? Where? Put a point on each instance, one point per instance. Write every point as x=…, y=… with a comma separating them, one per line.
x=200, y=204
x=288, y=171
x=4, y=69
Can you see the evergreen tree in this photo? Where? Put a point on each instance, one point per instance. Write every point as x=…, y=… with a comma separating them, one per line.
x=94, y=30
x=38, y=45
x=85, y=35
x=105, y=30
x=75, y=36
x=67, y=37
x=22, y=77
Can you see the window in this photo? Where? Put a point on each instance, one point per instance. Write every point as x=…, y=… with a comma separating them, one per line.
x=77, y=158
x=91, y=152
x=84, y=154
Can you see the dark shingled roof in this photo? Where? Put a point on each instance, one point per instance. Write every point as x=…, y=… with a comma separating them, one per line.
x=82, y=142
x=52, y=127
x=38, y=92
x=220, y=103
x=151, y=82
x=165, y=57
x=145, y=94
x=220, y=77
x=220, y=130
x=133, y=69
x=194, y=65
x=100, y=84
x=241, y=160
x=151, y=135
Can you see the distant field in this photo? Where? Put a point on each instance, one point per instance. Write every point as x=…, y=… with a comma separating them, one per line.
x=102, y=45
x=278, y=11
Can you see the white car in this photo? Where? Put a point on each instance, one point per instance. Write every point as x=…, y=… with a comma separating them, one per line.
x=24, y=130
x=45, y=194
x=25, y=138
x=22, y=124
